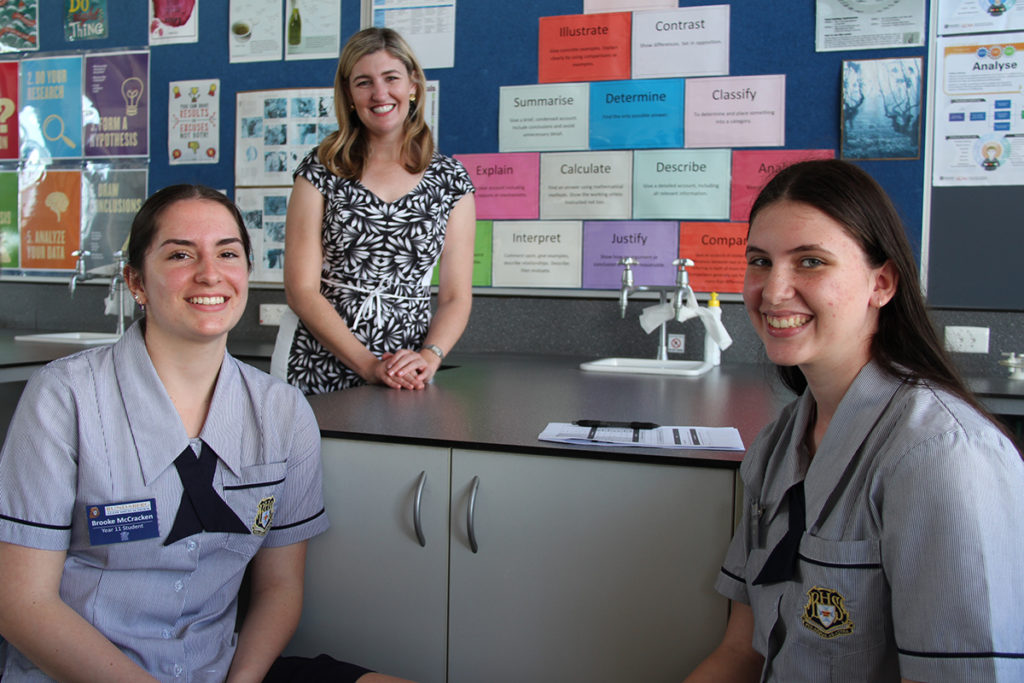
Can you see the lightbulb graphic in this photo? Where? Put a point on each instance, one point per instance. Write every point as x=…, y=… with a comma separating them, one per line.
x=131, y=91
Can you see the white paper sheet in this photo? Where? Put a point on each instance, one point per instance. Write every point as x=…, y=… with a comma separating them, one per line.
x=676, y=437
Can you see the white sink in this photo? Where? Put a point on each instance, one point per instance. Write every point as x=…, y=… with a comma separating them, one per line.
x=646, y=366
x=76, y=338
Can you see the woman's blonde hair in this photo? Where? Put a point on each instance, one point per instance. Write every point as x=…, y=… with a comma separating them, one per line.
x=344, y=151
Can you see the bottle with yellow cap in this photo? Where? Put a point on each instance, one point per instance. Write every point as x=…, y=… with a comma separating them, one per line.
x=712, y=352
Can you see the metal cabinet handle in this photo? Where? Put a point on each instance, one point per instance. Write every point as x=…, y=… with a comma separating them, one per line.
x=417, y=518
x=470, y=516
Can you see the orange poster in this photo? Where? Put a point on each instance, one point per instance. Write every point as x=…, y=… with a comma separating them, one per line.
x=584, y=47
x=717, y=251
x=51, y=209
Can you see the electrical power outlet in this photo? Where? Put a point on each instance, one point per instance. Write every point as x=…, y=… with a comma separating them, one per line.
x=961, y=339
x=270, y=314
x=676, y=343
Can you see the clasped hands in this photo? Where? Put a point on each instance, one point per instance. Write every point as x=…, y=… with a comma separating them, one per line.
x=406, y=369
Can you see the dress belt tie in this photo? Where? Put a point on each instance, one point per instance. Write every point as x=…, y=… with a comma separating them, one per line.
x=373, y=304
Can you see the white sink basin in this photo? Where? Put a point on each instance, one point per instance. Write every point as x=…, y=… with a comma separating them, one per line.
x=76, y=338
x=646, y=366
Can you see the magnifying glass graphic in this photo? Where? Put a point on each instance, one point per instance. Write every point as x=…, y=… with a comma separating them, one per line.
x=60, y=131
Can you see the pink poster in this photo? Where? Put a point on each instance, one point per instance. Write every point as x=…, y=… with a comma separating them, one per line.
x=9, y=110
x=507, y=185
x=752, y=169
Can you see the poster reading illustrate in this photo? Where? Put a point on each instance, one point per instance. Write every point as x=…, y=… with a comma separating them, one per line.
x=689, y=41
x=263, y=210
x=681, y=183
x=111, y=197
x=752, y=169
x=9, y=220
x=117, y=89
x=653, y=244
x=50, y=220
x=736, y=111
x=19, y=26
x=193, y=122
x=586, y=185
x=536, y=118
x=85, y=20
x=636, y=114
x=51, y=108
x=8, y=110
x=275, y=129
x=584, y=47
x=173, y=21
x=507, y=185
x=718, y=252
x=882, y=109
x=481, y=257
x=537, y=254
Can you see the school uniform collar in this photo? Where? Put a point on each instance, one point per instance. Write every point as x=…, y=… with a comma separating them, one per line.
x=789, y=460
x=156, y=429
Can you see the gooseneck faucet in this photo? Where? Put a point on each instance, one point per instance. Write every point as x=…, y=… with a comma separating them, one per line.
x=628, y=284
x=682, y=285
x=81, y=274
x=117, y=287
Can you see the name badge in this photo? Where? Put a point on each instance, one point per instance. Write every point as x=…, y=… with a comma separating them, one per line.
x=122, y=522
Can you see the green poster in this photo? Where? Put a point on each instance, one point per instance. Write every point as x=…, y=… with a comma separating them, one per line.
x=8, y=219
x=481, y=256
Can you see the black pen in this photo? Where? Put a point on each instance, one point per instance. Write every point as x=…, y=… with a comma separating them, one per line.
x=597, y=424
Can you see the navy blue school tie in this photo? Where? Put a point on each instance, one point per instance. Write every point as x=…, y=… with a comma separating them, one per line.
x=201, y=509
x=782, y=561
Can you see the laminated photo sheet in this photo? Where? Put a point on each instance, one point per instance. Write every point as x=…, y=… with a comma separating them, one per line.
x=264, y=210
x=869, y=24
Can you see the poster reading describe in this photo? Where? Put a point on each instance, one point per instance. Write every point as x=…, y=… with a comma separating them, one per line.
x=117, y=98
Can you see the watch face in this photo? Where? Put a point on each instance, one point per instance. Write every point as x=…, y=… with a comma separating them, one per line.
x=868, y=6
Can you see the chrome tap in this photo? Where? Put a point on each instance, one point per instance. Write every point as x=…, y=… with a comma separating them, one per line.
x=117, y=287
x=682, y=284
x=628, y=284
x=81, y=274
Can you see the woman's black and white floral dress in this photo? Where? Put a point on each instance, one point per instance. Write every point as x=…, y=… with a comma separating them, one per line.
x=378, y=261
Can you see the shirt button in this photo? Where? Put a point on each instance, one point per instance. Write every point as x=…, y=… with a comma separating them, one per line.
x=177, y=670
x=191, y=545
x=178, y=585
x=166, y=633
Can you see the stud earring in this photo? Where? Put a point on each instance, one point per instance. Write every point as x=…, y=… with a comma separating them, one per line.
x=412, y=97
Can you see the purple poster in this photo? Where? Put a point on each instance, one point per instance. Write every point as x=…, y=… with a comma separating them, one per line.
x=654, y=244
x=117, y=104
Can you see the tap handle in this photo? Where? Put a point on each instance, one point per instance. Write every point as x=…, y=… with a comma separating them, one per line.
x=682, y=277
x=627, y=261
x=627, y=264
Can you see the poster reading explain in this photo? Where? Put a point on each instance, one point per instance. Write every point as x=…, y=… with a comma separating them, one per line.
x=19, y=26
x=111, y=197
x=536, y=118
x=193, y=122
x=586, y=185
x=9, y=110
x=428, y=27
x=752, y=169
x=980, y=16
x=481, y=257
x=636, y=114
x=254, y=30
x=50, y=117
x=50, y=207
x=117, y=90
x=689, y=41
x=275, y=129
x=869, y=24
x=312, y=30
x=507, y=185
x=654, y=245
x=736, y=111
x=263, y=210
x=584, y=47
x=9, y=220
x=882, y=108
x=979, y=128
x=85, y=20
x=173, y=21
x=718, y=254
x=537, y=254
x=681, y=183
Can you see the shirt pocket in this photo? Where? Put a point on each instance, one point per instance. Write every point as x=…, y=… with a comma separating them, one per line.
x=254, y=497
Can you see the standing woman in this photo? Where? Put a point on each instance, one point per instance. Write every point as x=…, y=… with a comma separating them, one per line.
x=372, y=209
x=883, y=517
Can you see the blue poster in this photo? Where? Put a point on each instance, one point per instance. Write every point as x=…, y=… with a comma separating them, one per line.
x=51, y=108
x=640, y=114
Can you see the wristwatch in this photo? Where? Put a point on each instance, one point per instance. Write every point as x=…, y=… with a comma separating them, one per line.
x=434, y=348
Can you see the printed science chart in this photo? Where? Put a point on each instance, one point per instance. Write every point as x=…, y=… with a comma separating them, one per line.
x=117, y=90
x=51, y=108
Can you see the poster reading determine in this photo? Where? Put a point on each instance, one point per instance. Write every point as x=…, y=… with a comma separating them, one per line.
x=117, y=87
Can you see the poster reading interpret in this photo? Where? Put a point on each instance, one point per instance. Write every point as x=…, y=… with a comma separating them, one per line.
x=653, y=245
x=979, y=131
x=752, y=169
x=586, y=185
x=276, y=129
x=51, y=210
x=636, y=114
x=584, y=47
x=263, y=210
x=193, y=122
x=117, y=88
x=718, y=251
x=111, y=197
x=536, y=118
x=980, y=16
x=736, y=111
x=507, y=185
x=537, y=254
x=9, y=110
x=51, y=108
x=882, y=109
x=681, y=183
x=869, y=24
x=690, y=41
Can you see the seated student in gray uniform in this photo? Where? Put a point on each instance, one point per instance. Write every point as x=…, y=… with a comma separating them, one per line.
x=882, y=535
x=137, y=481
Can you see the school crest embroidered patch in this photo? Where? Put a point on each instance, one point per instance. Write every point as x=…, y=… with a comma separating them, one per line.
x=264, y=517
x=825, y=613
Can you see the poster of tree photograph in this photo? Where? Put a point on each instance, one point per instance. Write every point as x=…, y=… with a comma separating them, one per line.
x=881, y=109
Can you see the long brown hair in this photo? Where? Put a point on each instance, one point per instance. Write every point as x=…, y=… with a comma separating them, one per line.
x=344, y=151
